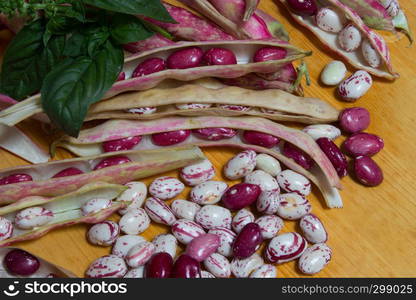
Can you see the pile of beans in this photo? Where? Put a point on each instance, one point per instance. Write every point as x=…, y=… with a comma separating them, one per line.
x=221, y=227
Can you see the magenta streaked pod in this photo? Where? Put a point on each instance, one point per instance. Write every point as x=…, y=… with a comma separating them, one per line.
x=142, y=110
x=270, y=225
x=285, y=247
x=165, y=188
x=247, y=241
x=367, y=171
x=6, y=229
x=269, y=53
x=314, y=259
x=149, y=66
x=124, y=243
x=186, y=267
x=218, y=265
x=15, y=178
x=104, y=233
x=299, y=156
x=355, y=119
x=135, y=221
x=201, y=247
x=135, y=194
x=170, y=138
x=135, y=273
x=32, y=217
x=260, y=139
x=334, y=154
x=293, y=206
x=140, y=254
x=262, y=179
x=268, y=202
x=219, y=56
x=210, y=216
x=185, y=58
x=206, y=274
x=268, y=164
x=313, y=229
x=155, y=41
x=159, y=266
x=322, y=130
x=184, y=209
x=234, y=107
x=241, y=219
x=242, y=268
x=209, y=192
x=159, y=211
x=355, y=86
x=198, y=173
x=166, y=243
x=264, y=271
x=192, y=106
x=21, y=263
x=329, y=20
x=350, y=38
x=293, y=182
x=68, y=172
x=215, y=134
x=109, y=266
x=240, y=195
x=112, y=161
x=240, y=165
x=95, y=205
x=123, y=144
x=227, y=237
x=363, y=144
x=185, y=230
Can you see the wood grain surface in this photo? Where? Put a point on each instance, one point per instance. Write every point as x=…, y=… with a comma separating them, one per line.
x=374, y=235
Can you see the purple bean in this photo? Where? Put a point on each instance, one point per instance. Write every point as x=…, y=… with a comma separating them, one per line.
x=185, y=58
x=260, y=139
x=123, y=144
x=21, y=263
x=186, y=267
x=353, y=120
x=363, y=144
x=287, y=73
x=15, y=178
x=149, y=66
x=334, y=154
x=303, y=7
x=219, y=56
x=269, y=53
x=367, y=171
x=68, y=172
x=248, y=241
x=201, y=247
x=215, y=134
x=159, y=266
x=121, y=76
x=300, y=157
x=112, y=161
x=241, y=195
x=170, y=138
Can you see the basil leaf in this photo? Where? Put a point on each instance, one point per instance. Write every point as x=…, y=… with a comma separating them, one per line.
x=76, y=83
x=27, y=61
x=86, y=41
x=127, y=29
x=150, y=8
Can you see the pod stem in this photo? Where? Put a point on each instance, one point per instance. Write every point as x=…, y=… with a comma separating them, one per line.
x=302, y=71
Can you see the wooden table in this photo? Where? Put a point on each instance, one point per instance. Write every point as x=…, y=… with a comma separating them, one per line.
x=374, y=235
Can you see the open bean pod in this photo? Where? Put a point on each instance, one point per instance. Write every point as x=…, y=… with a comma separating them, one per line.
x=322, y=174
x=63, y=210
x=374, y=43
x=142, y=164
x=213, y=98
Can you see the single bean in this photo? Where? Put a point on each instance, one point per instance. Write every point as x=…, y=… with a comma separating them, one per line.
x=240, y=195
x=104, y=233
x=159, y=266
x=355, y=86
x=219, y=56
x=142, y=110
x=211, y=216
x=140, y=254
x=350, y=38
x=112, y=161
x=355, y=119
x=314, y=259
x=6, y=229
x=270, y=225
x=333, y=73
x=240, y=165
x=185, y=209
x=300, y=157
x=198, y=173
x=15, y=178
x=166, y=243
x=367, y=171
x=234, y=107
x=227, y=237
x=293, y=206
x=215, y=134
x=334, y=154
x=329, y=20
x=166, y=187
x=260, y=139
x=68, y=172
x=268, y=164
x=170, y=138
x=269, y=53
x=322, y=130
x=285, y=247
x=124, y=243
x=370, y=54
x=135, y=221
x=218, y=265
x=262, y=179
x=268, y=202
x=19, y=262
x=293, y=182
x=248, y=241
x=149, y=66
x=109, y=266
x=313, y=229
x=303, y=7
x=209, y=192
x=186, y=267
x=135, y=194
x=241, y=219
x=123, y=144
x=95, y=205
x=185, y=58
x=242, y=268
x=185, y=230
x=363, y=144
x=159, y=211
x=32, y=217
x=201, y=247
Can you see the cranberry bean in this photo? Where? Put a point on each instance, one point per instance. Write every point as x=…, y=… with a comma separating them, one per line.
x=68, y=172
x=142, y=110
x=285, y=247
x=185, y=58
x=185, y=209
x=270, y=225
x=313, y=229
x=329, y=20
x=159, y=266
x=135, y=221
x=140, y=254
x=15, y=178
x=104, y=233
x=109, y=266
x=123, y=144
x=248, y=241
x=32, y=217
x=198, y=173
x=262, y=179
x=333, y=73
x=260, y=139
x=293, y=182
x=242, y=268
x=370, y=54
x=19, y=262
x=300, y=157
x=112, y=161
x=269, y=53
x=185, y=230
x=355, y=86
x=240, y=195
x=186, y=267
x=241, y=219
x=95, y=205
x=265, y=271
x=219, y=56
x=192, y=106
x=201, y=247
x=334, y=154
x=6, y=229
x=322, y=130
x=149, y=66
x=234, y=107
x=159, y=211
x=166, y=243
x=353, y=120
x=209, y=192
x=166, y=187
x=227, y=237
x=135, y=273
x=268, y=164
x=268, y=202
x=363, y=144
x=211, y=216
x=314, y=259
x=240, y=165
x=293, y=206
x=170, y=138
x=215, y=134
x=350, y=38
x=218, y=265
x=303, y=7
x=121, y=76
x=136, y=194
x=367, y=171
x=124, y=243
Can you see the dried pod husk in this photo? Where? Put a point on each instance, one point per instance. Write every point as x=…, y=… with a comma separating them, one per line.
x=66, y=210
x=354, y=58
x=323, y=174
x=143, y=164
x=272, y=104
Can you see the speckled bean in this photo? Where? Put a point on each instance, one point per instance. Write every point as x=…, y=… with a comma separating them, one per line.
x=104, y=233
x=166, y=187
x=201, y=247
x=355, y=86
x=264, y=271
x=293, y=182
x=124, y=243
x=218, y=265
x=32, y=217
x=242, y=268
x=240, y=165
x=270, y=225
x=293, y=206
x=185, y=230
x=6, y=229
x=268, y=164
x=322, y=130
x=227, y=238
x=140, y=254
x=211, y=216
x=135, y=221
x=262, y=179
x=241, y=219
x=109, y=266
x=95, y=205
x=209, y=192
x=313, y=229
x=285, y=247
x=166, y=243
x=268, y=202
x=184, y=209
x=314, y=259
x=159, y=211
x=136, y=193
x=350, y=38
x=198, y=173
